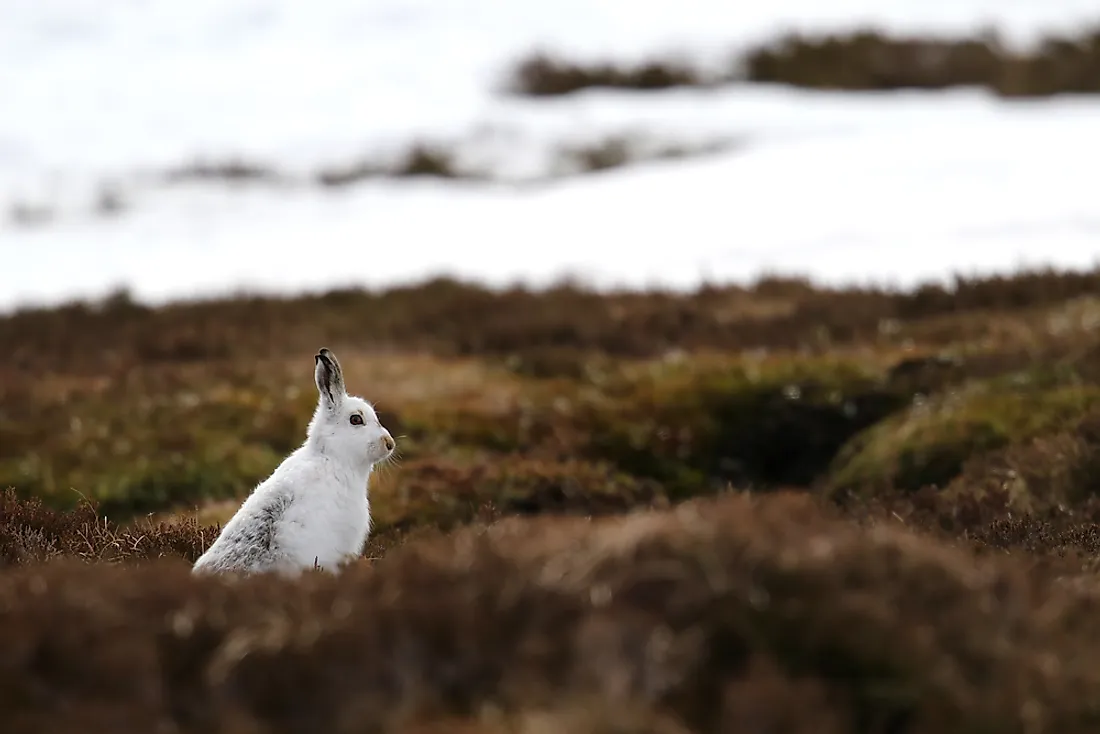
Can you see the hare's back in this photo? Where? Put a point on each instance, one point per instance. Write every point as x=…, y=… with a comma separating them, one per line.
x=248, y=542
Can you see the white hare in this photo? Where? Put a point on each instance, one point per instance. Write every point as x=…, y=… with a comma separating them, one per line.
x=314, y=509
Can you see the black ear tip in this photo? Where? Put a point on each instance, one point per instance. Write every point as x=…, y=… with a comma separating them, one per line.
x=324, y=353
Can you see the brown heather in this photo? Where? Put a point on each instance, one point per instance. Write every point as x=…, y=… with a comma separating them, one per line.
x=727, y=614
x=776, y=508
x=862, y=60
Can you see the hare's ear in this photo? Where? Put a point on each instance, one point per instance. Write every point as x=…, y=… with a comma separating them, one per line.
x=330, y=378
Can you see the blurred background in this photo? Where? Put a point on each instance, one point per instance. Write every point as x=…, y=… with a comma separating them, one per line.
x=181, y=149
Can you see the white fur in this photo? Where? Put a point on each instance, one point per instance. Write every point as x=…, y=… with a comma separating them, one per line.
x=314, y=509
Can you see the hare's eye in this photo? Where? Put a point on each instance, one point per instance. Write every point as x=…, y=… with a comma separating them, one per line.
x=356, y=419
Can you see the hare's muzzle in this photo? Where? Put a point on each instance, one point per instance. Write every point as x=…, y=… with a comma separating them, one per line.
x=388, y=442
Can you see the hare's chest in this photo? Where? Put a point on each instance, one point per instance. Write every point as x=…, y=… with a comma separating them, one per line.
x=326, y=532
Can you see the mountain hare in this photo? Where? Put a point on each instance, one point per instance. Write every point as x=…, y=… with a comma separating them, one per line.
x=314, y=510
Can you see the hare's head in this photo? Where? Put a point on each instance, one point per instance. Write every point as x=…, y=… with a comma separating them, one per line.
x=344, y=426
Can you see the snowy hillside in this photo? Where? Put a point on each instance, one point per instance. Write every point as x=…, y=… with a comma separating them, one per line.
x=99, y=99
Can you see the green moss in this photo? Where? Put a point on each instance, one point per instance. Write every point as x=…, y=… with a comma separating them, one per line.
x=929, y=443
x=695, y=425
x=445, y=493
x=185, y=481
x=764, y=424
x=134, y=455
x=142, y=485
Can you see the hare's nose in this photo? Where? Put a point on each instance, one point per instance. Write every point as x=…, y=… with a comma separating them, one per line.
x=387, y=441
